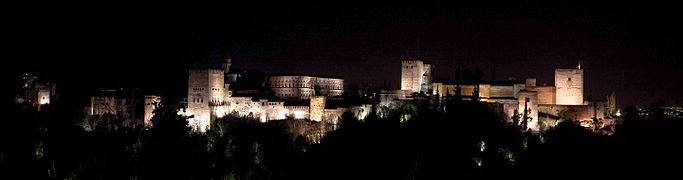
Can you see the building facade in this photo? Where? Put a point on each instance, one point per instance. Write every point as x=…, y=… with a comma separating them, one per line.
x=301, y=87
x=210, y=97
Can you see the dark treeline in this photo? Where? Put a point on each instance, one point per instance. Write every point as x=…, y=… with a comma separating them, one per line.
x=412, y=141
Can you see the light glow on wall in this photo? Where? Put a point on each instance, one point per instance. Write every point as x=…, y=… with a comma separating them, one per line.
x=44, y=101
x=185, y=113
x=298, y=114
x=220, y=112
x=282, y=114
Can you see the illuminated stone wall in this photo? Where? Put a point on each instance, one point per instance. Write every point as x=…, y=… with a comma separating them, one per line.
x=569, y=86
x=426, y=77
x=265, y=110
x=443, y=90
x=100, y=105
x=575, y=112
x=546, y=94
x=466, y=90
x=298, y=112
x=149, y=107
x=317, y=109
x=532, y=108
x=484, y=90
x=498, y=91
x=274, y=110
x=244, y=107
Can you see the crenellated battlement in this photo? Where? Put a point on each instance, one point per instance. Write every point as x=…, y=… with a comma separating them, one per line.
x=210, y=71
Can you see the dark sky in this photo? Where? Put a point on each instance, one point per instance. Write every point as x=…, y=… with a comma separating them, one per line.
x=630, y=48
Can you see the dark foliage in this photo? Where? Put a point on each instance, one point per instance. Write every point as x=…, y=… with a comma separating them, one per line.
x=413, y=141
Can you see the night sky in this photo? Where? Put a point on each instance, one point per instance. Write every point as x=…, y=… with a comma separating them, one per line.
x=630, y=48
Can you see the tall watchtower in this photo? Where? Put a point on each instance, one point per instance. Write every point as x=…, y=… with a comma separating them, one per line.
x=415, y=75
x=205, y=91
x=569, y=86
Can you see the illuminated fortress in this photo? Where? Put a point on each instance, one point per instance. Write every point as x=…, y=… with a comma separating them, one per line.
x=542, y=105
x=535, y=107
x=297, y=96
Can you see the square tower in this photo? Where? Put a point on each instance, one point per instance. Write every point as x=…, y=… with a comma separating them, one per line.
x=317, y=108
x=415, y=76
x=205, y=92
x=569, y=86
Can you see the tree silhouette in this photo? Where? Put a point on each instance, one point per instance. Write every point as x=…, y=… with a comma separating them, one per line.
x=410, y=140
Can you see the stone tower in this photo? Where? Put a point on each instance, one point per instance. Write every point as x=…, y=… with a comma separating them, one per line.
x=317, y=108
x=204, y=96
x=415, y=76
x=569, y=86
